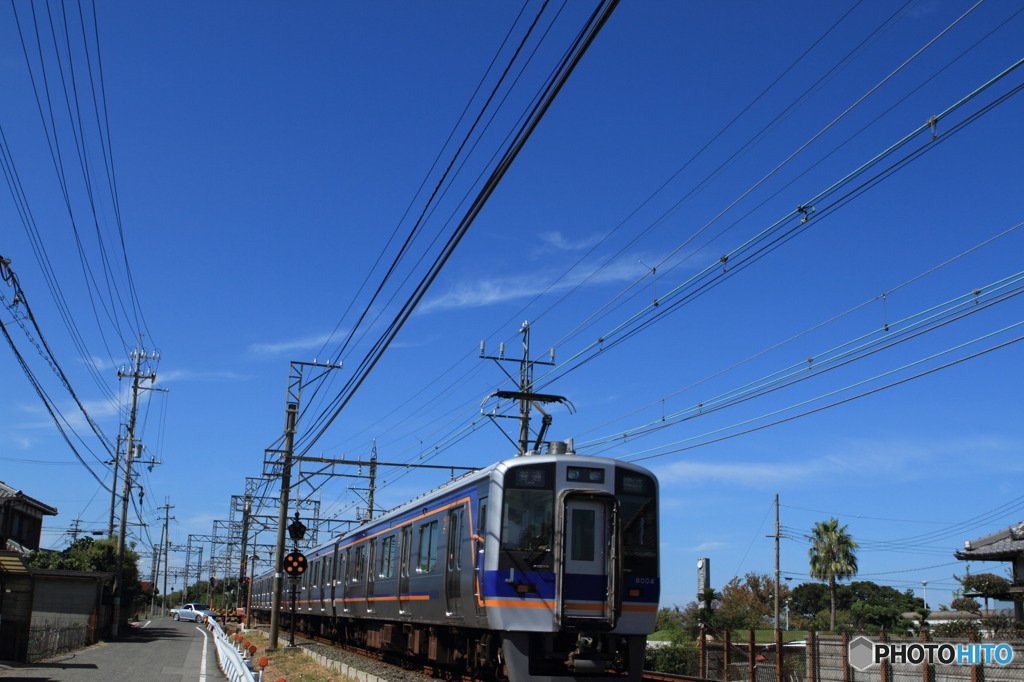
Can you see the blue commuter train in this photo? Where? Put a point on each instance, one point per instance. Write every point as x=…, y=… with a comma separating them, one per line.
x=539, y=567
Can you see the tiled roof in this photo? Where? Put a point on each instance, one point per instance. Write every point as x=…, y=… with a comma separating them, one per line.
x=9, y=493
x=1004, y=545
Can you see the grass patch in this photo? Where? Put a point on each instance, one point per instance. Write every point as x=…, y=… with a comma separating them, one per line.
x=290, y=663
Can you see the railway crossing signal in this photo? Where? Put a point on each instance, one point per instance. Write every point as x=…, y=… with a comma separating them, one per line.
x=295, y=564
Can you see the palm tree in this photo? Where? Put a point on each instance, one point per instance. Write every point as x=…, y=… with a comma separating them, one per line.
x=832, y=557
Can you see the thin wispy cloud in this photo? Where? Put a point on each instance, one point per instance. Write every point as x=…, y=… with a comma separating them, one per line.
x=193, y=375
x=290, y=345
x=496, y=290
x=558, y=242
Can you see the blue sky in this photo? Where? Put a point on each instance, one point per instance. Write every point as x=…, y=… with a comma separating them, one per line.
x=264, y=155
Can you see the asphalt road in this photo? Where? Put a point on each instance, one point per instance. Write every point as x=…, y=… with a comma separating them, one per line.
x=160, y=650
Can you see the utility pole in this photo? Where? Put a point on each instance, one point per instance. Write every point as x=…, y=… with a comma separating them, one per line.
x=167, y=543
x=113, y=486
x=295, y=386
x=778, y=572
x=137, y=375
x=155, y=573
x=291, y=416
x=373, y=481
x=76, y=528
x=525, y=394
x=243, y=588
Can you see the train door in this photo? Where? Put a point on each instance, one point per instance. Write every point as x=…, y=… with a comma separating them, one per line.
x=332, y=581
x=404, y=562
x=588, y=590
x=321, y=582
x=346, y=566
x=478, y=556
x=453, y=563
x=371, y=555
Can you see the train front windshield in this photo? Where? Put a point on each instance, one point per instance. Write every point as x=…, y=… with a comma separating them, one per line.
x=527, y=519
x=637, y=499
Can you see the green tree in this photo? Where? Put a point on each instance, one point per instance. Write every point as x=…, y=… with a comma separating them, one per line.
x=747, y=604
x=833, y=557
x=808, y=600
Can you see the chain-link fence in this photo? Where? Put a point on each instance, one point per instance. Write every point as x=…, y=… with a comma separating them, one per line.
x=739, y=657
x=52, y=638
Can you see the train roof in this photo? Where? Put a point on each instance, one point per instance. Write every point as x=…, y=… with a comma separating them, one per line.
x=529, y=458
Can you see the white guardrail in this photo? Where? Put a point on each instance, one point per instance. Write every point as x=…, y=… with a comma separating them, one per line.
x=232, y=661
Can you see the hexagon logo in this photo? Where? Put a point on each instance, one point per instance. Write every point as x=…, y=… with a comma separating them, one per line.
x=862, y=653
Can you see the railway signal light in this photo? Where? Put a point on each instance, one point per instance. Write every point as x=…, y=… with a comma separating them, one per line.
x=295, y=564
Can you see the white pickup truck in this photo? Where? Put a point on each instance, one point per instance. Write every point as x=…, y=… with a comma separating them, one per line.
x=194, y=612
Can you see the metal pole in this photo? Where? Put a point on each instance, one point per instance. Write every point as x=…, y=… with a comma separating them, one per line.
x=291, y=416
x=778, y=586
x=113, y=486
x=167, y=545
x=248, y=605
x=154, y=574
x=291, y=636
x=137, y=355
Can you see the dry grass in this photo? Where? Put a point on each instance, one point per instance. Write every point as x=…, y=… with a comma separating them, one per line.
x=290, y=664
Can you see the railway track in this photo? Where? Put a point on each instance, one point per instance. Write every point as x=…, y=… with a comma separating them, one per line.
x=412, y=671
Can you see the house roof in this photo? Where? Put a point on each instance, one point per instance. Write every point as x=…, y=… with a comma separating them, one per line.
x=1004, y=545
x=12, y=564
x=9, y=493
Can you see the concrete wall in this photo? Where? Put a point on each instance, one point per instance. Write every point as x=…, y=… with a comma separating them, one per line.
x=65, y=601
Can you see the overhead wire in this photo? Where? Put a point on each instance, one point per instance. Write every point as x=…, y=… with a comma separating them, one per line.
x=843, y=401
x=665, y=184
x=419, y=224
x=708, y=277
x=923, y=48
x=888, y=293
x=598, y=18
x=858, y=348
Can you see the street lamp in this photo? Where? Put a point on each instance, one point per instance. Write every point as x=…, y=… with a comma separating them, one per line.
x=924, y=584
x=296, y=530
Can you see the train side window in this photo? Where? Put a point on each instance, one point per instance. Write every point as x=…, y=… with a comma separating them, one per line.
x=406, y=550
x=428, y=548
x=481, y=521
x=357, y=564
x=455, y=523
x=387, y=557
